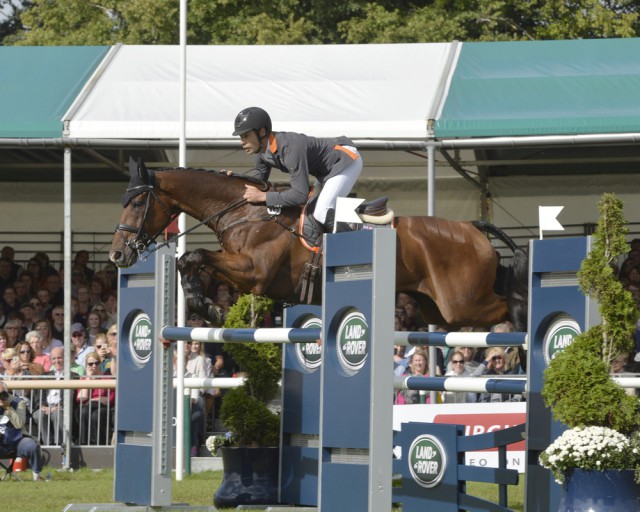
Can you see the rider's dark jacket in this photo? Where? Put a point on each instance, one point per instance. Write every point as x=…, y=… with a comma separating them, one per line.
x=300, y=156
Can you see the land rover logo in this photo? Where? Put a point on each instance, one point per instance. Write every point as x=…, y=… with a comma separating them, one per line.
x=310, y=354
x=559, y=336
x=353, y=342
x=140, y=339
x=427, y=461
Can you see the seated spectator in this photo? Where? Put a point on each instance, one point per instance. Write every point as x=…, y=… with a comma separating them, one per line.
x=470, y=363
x=3, y=346
x=94, y=326
x=44, y=297
x=48, y=341
x=112, y=338
x=494, y=363
x=56, y=292
x=13, y=328
x=26, y=365
x=81, y=265
x=84, y=304
x=48, y=414
x=27, y=311
x=34, y=338
x=111, y=273
x=79, y=341
x=22, y=291
x=27, y=278
x=36, y=306
x=9, y=253
x=57, y=322
x=458, y=369
x=96, y=405
x=514, y=356
x=96, y=289
x=111, y=307
x=10, y=300
x=101, y=346
x=13, y=433
x=418, y=366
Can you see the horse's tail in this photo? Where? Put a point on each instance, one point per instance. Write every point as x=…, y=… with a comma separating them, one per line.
x=512, y=281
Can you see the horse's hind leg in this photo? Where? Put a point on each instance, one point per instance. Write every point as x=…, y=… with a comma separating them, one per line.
x=189, y=268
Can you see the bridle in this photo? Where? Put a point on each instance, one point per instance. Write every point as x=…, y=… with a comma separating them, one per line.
x=141, y=239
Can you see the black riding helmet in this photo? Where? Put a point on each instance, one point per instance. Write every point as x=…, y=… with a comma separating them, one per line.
x=252, y=118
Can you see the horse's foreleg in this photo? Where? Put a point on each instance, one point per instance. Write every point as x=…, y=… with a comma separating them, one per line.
x=189, y=266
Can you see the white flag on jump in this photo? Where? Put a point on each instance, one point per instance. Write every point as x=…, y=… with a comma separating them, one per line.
x=547, y=217
x=345, y=209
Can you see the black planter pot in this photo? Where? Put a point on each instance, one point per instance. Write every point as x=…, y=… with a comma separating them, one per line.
x=250, y=477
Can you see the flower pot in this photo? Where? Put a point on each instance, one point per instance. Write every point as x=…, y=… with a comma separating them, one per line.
x=250, y=477
x=600, y=491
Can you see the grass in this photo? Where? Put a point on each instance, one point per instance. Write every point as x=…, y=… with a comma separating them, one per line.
x=96, y=486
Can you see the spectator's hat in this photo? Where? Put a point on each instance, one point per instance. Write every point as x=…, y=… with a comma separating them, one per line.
x=26, y=304
x=77, y=327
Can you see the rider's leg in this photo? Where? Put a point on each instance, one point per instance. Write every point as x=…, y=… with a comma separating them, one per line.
x=338, y=186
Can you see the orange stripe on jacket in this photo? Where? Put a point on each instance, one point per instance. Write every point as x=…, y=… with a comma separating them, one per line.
x=352, y=155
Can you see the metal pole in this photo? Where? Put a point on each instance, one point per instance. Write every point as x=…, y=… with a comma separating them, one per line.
x=431, y=211
x=66, y=419
x=180, y=454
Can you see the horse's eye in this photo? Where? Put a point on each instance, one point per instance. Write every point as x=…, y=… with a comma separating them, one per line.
x=137, y=204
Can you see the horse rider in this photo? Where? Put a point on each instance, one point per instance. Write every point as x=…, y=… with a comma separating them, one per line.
x=334, y=162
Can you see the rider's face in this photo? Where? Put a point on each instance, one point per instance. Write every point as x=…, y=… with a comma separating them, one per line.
x=250, y=142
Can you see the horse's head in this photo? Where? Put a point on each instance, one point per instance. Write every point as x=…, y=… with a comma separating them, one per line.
x=143, y=218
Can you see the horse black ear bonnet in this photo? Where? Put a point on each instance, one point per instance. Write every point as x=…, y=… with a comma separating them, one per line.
x=141, y=179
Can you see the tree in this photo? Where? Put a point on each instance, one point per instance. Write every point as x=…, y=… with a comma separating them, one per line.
x=51, y=22
x=577, y=384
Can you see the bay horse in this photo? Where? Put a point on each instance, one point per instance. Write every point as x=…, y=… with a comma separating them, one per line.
x=449, y=267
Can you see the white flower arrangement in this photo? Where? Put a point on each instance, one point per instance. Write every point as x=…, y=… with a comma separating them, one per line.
x=591, y=448
x=214, y=442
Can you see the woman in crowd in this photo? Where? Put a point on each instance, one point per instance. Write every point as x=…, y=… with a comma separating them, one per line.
x=94, y=326
x=495, y=364
x=95, y=406
x=101, y=346
x=418, y=366
x=458, y=369
x=34, y=338
x=48, y=341
x=13, y=328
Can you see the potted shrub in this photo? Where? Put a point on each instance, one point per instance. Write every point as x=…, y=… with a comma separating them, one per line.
x=602, y=442
x=249, y=449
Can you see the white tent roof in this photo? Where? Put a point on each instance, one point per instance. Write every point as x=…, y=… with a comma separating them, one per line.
x=362, y=91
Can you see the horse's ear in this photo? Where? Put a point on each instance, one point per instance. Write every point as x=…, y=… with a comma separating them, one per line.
x=133, y=166
x=142, y=171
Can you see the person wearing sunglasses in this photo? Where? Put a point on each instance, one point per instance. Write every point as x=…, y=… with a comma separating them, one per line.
x=494, y=363
x=458, y=369
x=95, y=406
x=25, y=364
x=79, y=341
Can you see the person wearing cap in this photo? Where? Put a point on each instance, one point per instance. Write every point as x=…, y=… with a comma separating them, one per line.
x=29, y=323
x=79, y=341
x=334, y=162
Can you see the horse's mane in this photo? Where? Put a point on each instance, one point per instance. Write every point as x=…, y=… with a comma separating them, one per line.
x=216, y=172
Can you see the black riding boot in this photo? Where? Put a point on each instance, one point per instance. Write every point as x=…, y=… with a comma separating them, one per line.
x=330, y=221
